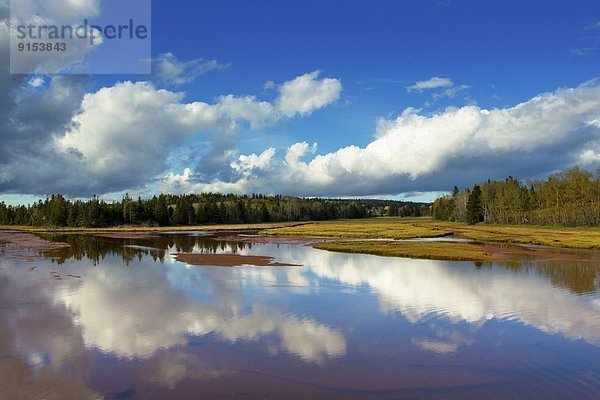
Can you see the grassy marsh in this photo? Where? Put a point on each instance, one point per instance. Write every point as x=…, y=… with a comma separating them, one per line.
x=406, y=228
x=425, y=250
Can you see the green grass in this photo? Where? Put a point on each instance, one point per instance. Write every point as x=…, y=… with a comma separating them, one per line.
x=425, y=250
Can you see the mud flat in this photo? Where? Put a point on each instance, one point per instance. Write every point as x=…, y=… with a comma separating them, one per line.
x=27, y=241
x=229, y=260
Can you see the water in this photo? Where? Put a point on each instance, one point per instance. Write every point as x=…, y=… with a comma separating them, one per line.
x=127, y=321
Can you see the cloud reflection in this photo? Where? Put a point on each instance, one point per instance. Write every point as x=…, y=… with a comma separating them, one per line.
x=133, y=313
x=150, y=308
x=420, y=289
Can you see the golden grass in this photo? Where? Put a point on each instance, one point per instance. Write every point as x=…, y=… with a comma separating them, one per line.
x=369, y=228
x=405, y=228
x=384, y=228
x=426, y=250
x=554, y=237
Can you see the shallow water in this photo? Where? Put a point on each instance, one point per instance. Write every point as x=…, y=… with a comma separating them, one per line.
x=127, y=321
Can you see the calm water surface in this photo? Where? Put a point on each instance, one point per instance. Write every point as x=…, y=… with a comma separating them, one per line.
x=127, y=321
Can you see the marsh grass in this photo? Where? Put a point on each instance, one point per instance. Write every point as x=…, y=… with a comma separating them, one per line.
x=425, y=250
x=406, y=228
x=383, y=228
x=370, y=228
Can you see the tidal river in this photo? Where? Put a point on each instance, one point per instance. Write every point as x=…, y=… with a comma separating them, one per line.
x=119, y=317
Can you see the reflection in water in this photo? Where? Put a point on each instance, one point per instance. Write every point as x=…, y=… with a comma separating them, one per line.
x=421, y=288
x=153, y=314
x=169, y=369
x=178, y=327
x=580, y=275
x=42, y=354
x=95, y=247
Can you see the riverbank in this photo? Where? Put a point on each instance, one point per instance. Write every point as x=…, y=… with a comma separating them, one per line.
x=409, y=228
x=144, y=229
x=479, y=250
x=489, y=242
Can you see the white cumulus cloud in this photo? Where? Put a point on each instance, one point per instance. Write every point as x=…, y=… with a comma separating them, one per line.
x=122, y=134
x=307, y=93
x=425, y=152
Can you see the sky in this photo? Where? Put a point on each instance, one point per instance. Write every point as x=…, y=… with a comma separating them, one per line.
x=390, y=99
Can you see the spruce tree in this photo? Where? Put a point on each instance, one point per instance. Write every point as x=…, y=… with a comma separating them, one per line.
x=475, y=206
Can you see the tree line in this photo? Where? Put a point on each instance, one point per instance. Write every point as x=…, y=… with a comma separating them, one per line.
x=191, y=209
x=569, y=198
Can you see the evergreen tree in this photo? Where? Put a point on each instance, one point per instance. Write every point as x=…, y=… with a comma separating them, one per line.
x=160, y=214
x=475, y=206
x=180, y=215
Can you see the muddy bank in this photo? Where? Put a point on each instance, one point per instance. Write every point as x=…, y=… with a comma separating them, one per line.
x=26, y=247
x=229, y=260
x=27, y=241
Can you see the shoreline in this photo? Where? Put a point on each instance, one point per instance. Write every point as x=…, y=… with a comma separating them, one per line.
x=382, y=237
x=158, y=229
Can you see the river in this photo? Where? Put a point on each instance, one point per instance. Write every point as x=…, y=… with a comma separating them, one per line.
x=118, y=317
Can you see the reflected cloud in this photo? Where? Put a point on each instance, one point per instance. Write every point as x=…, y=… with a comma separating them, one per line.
x=133, y=313
x=137, y=302
x=39, y=344
x=436, y=346
x=445, y=341
x=421, y=288
x=169, y=369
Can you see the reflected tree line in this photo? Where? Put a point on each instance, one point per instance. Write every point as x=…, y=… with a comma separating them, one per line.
x=95, y=248
x=569, y=198
x=579, y=277
x=206, y=208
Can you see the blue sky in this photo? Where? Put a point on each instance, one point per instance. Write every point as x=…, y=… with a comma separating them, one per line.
x=470, y=57
x=507, y=52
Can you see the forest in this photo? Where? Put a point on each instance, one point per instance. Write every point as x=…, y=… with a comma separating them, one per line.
x=192, y=209
x=568, y=198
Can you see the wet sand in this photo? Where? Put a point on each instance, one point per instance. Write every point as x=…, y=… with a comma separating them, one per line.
x=229, y=260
